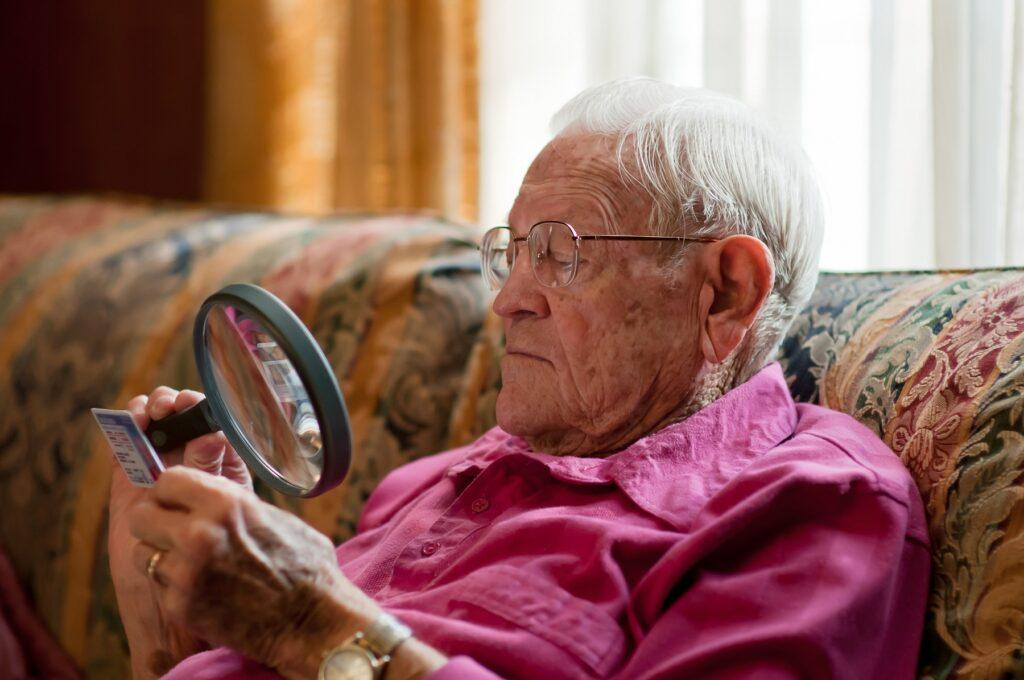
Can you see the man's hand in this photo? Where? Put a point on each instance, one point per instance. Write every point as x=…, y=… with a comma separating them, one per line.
x=238, y=572
x=156, y=645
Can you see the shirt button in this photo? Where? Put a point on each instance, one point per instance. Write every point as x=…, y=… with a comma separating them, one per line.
x=429, y=549
x=479, y=505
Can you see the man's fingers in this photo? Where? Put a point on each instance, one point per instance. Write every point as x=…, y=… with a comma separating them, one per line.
x=142, y=553
x=234, y=468
x=161, y=402
x=155, y=525
x=167, y=568
x=206, y=453
x=190, y=489
x=137, y=407
x=186, y=399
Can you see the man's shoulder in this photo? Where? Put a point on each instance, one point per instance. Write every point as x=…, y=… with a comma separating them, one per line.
x=848, y=450
x=829, y=460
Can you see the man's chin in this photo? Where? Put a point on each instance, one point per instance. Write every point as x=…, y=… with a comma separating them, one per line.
x=516, y=414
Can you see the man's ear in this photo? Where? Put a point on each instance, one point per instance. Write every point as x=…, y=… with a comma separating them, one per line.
x=739, y=274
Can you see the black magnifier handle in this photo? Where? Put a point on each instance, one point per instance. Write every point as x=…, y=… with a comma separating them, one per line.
x=175, y=430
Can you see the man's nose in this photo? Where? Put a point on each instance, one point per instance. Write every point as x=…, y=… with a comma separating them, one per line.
x=521, y=296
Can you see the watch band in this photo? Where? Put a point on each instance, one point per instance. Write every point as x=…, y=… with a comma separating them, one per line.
x=386, y=633
x=374, y=646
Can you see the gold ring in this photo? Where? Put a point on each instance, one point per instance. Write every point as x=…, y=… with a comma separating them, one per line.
x=151, y=566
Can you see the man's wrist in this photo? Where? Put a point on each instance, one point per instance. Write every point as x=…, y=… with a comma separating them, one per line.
x=370, y=649
x=414, y=660
x=411, y=659
x=302, y=660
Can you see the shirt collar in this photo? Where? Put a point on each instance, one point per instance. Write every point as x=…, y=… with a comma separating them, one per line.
x=671, y=472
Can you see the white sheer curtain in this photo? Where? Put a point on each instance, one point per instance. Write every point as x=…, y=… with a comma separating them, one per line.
x=1015, y=143
x=911, y=110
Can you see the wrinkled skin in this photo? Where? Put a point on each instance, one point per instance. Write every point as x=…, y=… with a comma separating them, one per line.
x=629, y=347
x=236, y=571
x=239, y=572
x=136, y=598
x=618, y=353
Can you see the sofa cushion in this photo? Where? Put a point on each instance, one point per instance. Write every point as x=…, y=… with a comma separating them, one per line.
x=932, y=362
x=97, y=300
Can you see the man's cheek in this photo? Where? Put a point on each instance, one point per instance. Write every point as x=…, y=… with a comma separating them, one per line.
x=574, y=330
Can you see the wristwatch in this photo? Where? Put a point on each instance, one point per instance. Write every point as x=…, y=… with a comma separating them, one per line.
x=365, y=655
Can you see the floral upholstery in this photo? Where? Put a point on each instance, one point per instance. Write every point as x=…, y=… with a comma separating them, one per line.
x=97, y=299
x=932, y=362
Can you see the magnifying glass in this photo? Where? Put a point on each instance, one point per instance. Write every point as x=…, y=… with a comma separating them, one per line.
x=271, y=390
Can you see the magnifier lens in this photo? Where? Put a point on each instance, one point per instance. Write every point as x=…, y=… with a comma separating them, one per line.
x=264, y=394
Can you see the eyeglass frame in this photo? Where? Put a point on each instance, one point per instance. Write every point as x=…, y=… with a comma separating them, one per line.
x=576, y=238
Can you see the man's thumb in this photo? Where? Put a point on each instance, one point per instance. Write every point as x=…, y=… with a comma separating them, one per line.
x=206, y=453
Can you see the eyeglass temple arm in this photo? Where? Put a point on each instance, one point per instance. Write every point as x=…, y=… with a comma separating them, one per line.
x=622, y=237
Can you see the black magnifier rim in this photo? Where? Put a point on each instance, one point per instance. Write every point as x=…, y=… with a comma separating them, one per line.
x=314, y=370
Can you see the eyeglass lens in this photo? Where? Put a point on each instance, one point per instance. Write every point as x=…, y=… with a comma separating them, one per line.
x=497, y=256
x=553, y=254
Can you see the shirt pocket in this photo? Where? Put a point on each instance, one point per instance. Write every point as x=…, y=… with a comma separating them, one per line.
x=532, y=602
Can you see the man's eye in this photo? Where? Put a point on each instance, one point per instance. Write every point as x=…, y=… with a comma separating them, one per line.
x=561, y=257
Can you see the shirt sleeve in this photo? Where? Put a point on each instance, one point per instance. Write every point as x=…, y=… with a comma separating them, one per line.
x=840, y=593
x=462, y=668
x=224, y=664
x=220, y=664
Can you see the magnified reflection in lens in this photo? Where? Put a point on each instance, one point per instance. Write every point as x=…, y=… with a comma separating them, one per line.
x=262, y=391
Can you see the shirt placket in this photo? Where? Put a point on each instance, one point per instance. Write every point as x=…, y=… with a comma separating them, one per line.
x=498, y=487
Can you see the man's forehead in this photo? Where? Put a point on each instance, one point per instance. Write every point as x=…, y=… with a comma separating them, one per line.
x=575, y=154
x=582, y=172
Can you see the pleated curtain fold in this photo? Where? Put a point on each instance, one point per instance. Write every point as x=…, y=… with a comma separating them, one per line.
x=321, y=105
x=912, y=111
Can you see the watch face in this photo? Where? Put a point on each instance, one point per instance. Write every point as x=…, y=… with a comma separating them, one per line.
x=349, y=663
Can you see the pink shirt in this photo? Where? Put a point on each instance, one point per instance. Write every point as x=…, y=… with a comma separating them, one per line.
x=757, y=538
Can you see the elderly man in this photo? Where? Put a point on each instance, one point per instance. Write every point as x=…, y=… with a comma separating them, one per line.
x=652, y=504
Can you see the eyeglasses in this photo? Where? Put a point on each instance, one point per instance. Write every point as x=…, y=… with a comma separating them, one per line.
x=554, y=252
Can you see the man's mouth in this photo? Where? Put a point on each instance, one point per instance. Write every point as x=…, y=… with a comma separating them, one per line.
x=511, y=351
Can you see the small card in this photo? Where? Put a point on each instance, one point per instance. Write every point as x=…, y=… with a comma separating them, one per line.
x=133, y=451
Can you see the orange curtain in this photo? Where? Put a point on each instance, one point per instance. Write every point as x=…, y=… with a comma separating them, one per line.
x=317, y=105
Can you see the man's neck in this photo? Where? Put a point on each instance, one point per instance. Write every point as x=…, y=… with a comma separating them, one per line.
x=714, y=382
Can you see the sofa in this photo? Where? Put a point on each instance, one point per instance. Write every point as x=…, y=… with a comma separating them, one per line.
x=98, y=296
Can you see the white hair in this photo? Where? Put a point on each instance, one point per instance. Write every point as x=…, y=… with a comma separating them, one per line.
x=714, y=167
